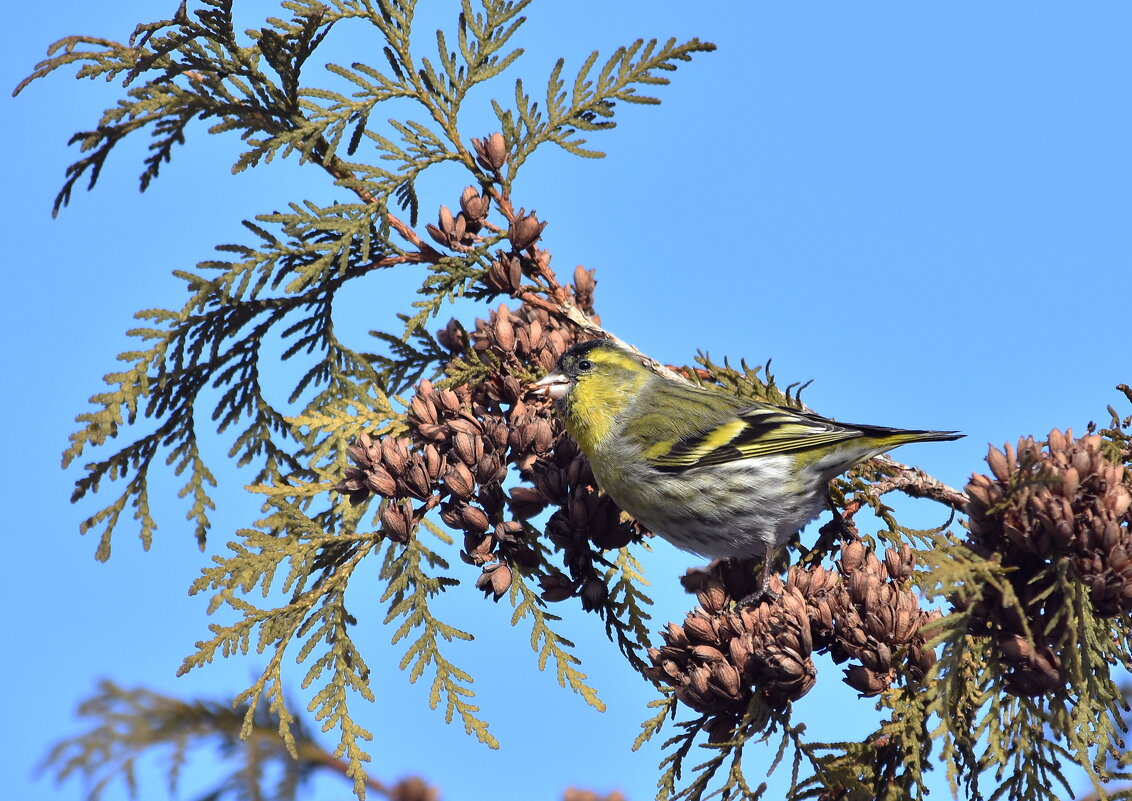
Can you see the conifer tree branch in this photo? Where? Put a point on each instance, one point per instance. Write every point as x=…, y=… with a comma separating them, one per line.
x=914, y=482
x=432, y=433
x=131, y=725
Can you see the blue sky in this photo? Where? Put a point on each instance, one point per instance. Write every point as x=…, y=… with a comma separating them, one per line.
x=923, y=208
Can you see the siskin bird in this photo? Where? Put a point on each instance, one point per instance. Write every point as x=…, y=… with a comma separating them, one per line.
x=712, y=473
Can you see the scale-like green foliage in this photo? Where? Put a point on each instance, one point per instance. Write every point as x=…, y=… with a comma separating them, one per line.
x=626, y=621
x=249, y=760
x=548, y=644
x=282, y=284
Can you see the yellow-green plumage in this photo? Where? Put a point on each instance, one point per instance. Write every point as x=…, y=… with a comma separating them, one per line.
x=712, y=473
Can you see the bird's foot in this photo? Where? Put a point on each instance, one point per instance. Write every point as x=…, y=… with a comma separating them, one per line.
x=839, y=529
x=765, y=592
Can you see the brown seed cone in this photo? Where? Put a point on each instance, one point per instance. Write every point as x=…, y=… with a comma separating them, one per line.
x=397, y=520
x=450, y=514
x=473, y=519
x=491, y=152
x=721, y=728
x=395, y=454
x=584, y=283
x=554, y=473
x=475, y=206
x=899, y=563
x=505, y=274
x=525, y=230
x=526, y=502
x=462, y=441
x=379, y=480
x=594, y=594
x=1038, y=673
x=449, y=231
x=701, y=630
x=490, y=470
x=853, y=555
x=780, y=660
x=354, y=486
x=453, y=337
x=713, y=597
x=478, y=548
x=415, y=481
x=866, y=682
x=495, y=580
x=720, y=655
x=467, y=447
x=365, y=452
x=588, y=516
x=920, y=661
x=1109, y=578
x=876, y=620
x=556, y=587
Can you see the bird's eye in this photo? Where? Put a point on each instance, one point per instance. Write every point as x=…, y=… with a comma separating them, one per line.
x=585, y=364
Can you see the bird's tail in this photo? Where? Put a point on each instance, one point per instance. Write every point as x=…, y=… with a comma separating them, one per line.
x=872, y=441
x=888, y=438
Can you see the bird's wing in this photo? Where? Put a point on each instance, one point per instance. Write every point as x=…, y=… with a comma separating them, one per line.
x=756, y=431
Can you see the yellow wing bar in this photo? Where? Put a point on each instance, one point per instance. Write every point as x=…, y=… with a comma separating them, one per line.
x=757, y=431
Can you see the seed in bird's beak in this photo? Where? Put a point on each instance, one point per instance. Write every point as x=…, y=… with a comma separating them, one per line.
x=554, y=386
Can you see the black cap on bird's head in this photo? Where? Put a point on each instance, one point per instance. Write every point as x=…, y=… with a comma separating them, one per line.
x=579, y=360
x=574, y=360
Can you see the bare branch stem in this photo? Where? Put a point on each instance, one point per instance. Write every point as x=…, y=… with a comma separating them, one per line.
x=914, y=482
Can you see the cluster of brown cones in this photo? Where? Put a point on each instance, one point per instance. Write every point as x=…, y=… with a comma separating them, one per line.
x=462, y=441
x=863, y=611
x=1063, y=502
